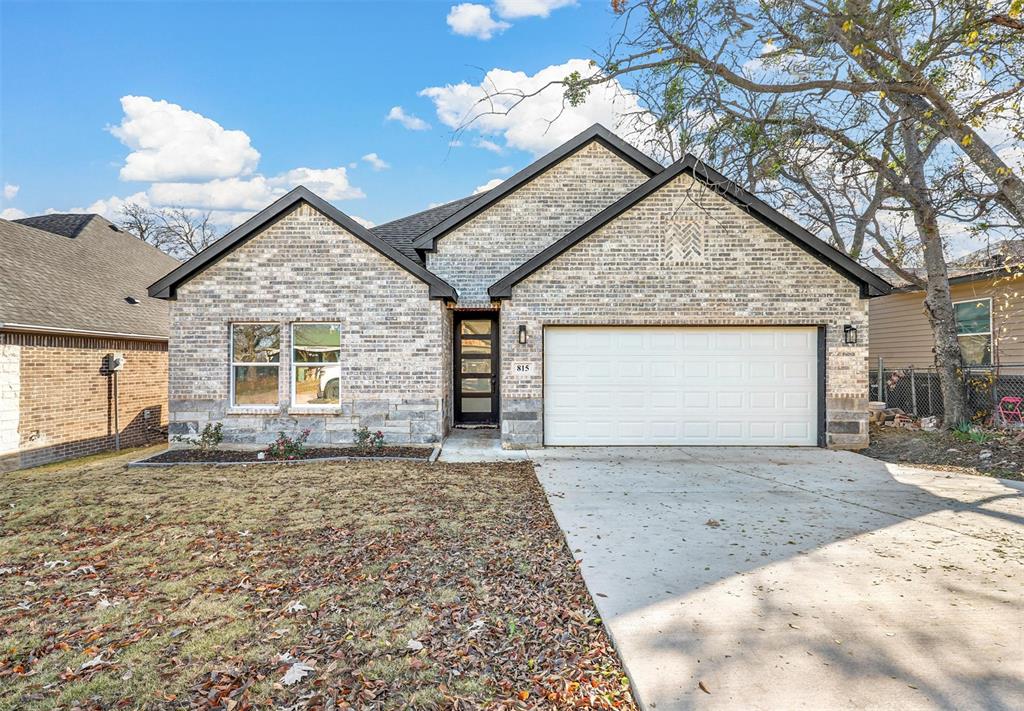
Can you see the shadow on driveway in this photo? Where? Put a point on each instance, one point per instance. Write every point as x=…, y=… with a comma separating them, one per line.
x=798, y=578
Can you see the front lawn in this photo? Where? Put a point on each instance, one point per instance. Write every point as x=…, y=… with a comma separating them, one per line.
x=364, y=584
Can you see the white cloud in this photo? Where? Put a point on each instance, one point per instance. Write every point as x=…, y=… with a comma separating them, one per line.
x=363, y=221
x=11, y=191
x=514, y=9
x=488, y=185
x=171, y=143
x=255, y=193
x=528, y=126
x=413, y=123
x=472, y=20
x=231, y=189
x=488, y=145
x=12, y=213
x=504, y=170
x=376, y=162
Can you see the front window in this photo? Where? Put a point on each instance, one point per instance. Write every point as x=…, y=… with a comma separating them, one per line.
x=316, y=366
x=974, y=330
x=255, y=356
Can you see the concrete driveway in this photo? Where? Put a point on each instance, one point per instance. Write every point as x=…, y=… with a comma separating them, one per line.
x=798, y=578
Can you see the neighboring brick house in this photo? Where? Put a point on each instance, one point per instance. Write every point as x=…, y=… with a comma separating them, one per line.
x=595, y=297
x=72, y=291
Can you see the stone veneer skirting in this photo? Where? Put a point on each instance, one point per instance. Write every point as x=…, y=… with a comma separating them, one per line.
x=406, y=421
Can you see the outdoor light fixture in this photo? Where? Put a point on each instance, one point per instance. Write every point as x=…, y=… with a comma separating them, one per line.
x=522, y=334
x=850, y=335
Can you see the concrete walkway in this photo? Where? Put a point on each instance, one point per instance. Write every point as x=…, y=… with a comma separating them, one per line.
x=477, y=444
x=798, y=578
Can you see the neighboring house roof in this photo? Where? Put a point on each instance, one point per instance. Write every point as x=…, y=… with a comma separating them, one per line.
x=401, y=233
x=428, y=240
x=999, y=259
x=73, y=274
x=870, y=283
x=166, y=288
x=1001, y=253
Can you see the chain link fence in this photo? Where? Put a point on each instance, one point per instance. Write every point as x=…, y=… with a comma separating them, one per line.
x=916, y=391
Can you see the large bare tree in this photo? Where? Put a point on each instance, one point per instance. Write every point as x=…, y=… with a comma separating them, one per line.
x=859, y=116
x=178, y=231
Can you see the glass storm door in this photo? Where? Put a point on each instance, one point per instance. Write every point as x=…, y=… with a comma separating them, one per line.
x=476, y=368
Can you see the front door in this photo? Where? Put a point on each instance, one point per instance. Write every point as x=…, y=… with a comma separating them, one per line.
x=476, y=367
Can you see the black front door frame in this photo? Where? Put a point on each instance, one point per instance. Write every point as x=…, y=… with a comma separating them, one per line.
x=476, y=418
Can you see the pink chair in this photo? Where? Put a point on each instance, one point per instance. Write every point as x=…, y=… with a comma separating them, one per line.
x=1012, y=409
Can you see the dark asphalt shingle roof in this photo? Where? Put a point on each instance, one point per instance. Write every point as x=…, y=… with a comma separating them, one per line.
x=52, y=279
x=68, y=225
x=401, y=233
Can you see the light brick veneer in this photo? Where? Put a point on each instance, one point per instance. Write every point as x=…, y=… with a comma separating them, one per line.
x=623, y=274
x=305, y=267
x=490, y=245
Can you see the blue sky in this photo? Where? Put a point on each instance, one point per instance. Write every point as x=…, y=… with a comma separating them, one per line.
x=261, y=95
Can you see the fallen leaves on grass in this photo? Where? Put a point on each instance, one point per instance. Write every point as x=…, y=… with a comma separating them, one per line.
x=387, y=585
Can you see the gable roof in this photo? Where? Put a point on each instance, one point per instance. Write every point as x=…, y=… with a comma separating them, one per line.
x=76, y=276
x=401, y=233
x=870, y=283
x=166, y=288
x=428, y=240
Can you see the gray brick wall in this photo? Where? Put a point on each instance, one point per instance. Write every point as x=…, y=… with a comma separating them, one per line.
x=305, y=267
x=627, y=273
x=478, y=253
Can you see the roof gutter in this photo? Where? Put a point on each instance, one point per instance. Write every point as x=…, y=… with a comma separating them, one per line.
x=34, y=328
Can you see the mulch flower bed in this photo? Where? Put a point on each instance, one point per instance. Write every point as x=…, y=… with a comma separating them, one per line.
x=174, y=456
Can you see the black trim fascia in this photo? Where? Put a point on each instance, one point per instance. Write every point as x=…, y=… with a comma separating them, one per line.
x=427, y=242
x=870, y=283
x=166, y=287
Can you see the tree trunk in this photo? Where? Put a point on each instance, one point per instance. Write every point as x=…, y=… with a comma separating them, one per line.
x=938, y=304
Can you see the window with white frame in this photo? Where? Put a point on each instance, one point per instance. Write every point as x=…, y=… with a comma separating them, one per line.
x=255, y=360
x=316, y=367
x=974, y=330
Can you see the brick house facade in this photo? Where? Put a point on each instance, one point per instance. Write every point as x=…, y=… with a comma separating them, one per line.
x=57, y=397
x=441, y=318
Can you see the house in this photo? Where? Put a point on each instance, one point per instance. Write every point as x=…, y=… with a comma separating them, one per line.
x=986, y=287
x=72, y=292
x=594, y=297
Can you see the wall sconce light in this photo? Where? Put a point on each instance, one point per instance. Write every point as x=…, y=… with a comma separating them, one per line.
x=522, y=334
x=850, y=335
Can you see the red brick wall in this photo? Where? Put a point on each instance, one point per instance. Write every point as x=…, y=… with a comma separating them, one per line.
x=67, y=396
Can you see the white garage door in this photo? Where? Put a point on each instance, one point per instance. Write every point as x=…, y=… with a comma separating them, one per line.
x=668, y=385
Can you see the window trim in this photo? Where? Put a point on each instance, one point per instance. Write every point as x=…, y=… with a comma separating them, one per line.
x=295, y=365
x=231, y=366
x=990, y=333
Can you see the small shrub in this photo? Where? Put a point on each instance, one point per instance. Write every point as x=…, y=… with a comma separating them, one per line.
x=367, y=441
x=966, y=432
x=285, y=447
x=209, y=438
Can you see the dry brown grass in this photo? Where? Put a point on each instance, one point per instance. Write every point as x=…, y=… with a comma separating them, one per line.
x=179, y=580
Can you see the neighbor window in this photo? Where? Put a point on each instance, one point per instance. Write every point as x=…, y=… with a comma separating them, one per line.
x=255, y=355
x=316, y=368
x=974, y=330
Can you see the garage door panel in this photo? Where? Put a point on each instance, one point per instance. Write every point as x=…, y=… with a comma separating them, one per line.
x=674, y=385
